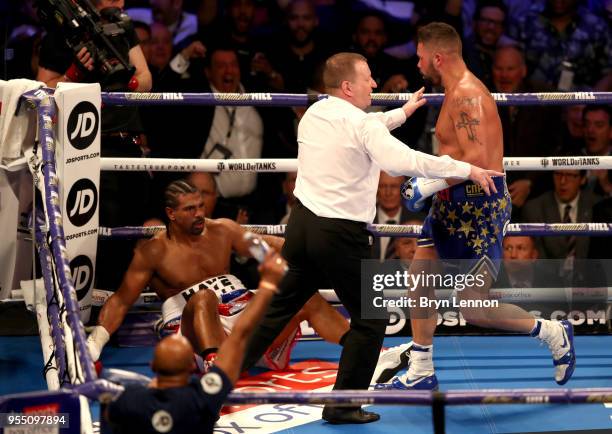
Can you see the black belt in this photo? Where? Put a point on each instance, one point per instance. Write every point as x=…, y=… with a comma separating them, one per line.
x=355, y=223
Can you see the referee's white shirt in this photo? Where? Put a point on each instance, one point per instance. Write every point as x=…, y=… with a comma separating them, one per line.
x=341, y=152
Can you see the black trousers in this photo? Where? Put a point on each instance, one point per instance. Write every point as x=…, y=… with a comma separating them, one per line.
x=316, y=249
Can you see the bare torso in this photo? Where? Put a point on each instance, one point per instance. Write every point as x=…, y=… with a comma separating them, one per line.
x=178, y=265
x=468, y=127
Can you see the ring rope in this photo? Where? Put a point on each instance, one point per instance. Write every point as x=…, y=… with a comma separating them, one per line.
x=596, y=395
x=290, y=164
x=46, y=113
x=383, y=230
x=564, y=294
x=102, y=389
x=56, y=356
x=415, y=397
x=378, y=99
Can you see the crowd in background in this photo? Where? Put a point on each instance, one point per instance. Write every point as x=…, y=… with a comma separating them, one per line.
x=279, y=46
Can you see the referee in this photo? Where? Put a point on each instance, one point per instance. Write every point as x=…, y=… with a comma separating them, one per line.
x=341, y=152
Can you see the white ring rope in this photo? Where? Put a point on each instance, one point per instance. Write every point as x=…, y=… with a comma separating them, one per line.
x=290, y=164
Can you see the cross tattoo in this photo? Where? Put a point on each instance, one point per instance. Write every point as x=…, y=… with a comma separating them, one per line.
x=468, y=123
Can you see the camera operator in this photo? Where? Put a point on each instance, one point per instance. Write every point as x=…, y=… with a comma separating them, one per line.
x=124, y=195
x=59, y=64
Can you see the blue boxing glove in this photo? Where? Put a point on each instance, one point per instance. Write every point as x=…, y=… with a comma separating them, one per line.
x=416, y=190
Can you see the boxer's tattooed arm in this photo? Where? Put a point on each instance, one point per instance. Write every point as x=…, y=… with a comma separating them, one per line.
x=468, y=114
x=469, y=123
x=467, y=101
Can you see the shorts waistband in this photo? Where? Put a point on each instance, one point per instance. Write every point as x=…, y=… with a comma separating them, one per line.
x=225, y=286
x=468, y=190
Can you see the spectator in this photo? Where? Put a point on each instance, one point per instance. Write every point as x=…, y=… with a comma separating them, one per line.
x=516, y=9
x=297, y=57
x=522, y=268
x=572, y=132
x=490, y=21
x=526, y=129
x=235, y=132
x=389, y=210
x=221, y=132
x=169, y=13
x=170, y=70
x=598, y=142
x=520, y=248
x=20, y=54
x=143, y=34
x=236, y=30
x=205, y=183
x=405, y=247
x=566, y=46
x=160, y=48
x=566, y=204
x=519, y=254
x=207, y=12
x=597, y=130
x=333, y=15
x=370, y=39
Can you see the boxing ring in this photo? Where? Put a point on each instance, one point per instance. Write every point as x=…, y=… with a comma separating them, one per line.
x=69, y=370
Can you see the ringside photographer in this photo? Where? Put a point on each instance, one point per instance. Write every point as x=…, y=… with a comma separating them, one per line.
x=95, y=42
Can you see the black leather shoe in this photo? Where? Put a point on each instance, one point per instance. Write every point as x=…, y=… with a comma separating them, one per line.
x=339, y=415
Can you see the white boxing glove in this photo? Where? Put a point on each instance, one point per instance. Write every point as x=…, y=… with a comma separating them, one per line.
x=416, y=190
x=96, y=341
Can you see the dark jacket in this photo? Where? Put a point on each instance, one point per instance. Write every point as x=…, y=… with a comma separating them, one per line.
x=544, y=209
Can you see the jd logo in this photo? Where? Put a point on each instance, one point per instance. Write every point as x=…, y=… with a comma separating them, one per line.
x=82, y=202
x=83, y=125
x=82, y=270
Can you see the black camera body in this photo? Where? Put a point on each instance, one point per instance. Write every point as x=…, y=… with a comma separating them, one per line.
x=84, y=26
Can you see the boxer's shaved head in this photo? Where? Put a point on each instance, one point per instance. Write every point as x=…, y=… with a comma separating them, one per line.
x=173, y=356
